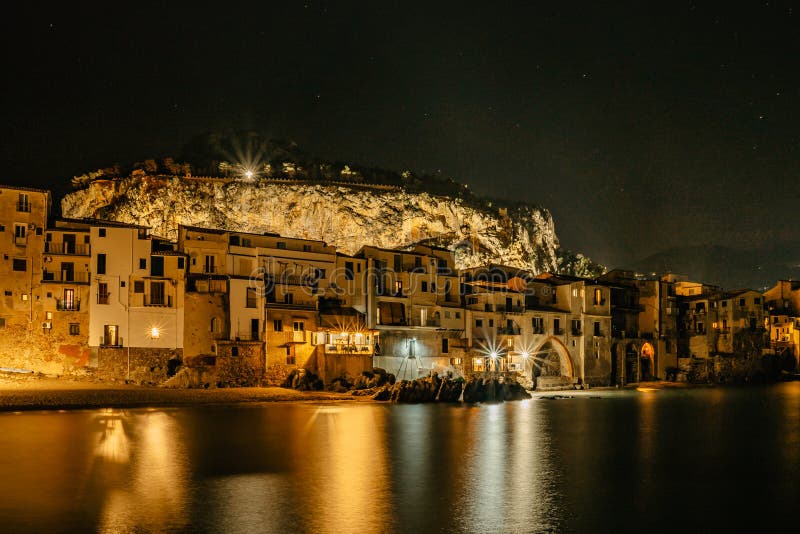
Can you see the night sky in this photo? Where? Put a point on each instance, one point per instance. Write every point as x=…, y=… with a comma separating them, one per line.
x=640, y=127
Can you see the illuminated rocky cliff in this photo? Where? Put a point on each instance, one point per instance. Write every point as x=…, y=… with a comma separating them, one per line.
x=345, y=215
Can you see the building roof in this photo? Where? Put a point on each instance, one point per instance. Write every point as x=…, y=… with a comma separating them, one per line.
x=24, y=188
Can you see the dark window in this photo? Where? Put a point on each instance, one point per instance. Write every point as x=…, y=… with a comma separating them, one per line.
x=417, y=262
x=306, y=248
x=281, y=245
x=86, y=239
x=38, y=231
x=157, y=266
x=234, y=351
x=101, y=264
x=299, y=326
x=74, y=329
x=348, y=270
x=251, y=297
x=157, y=296
x=2, y=323
x=445, y=345
x=180, y=262
x=597, y=328
x=556, y=325
x=2, y=227
x=491, y=323
x=101, y=232
x=398, y=263
x=234, y=240
x=478, y=323
x=424, y=286
x=142, y=263
x=757, y=300
x=290, y=358
x=277, y=325
x=741, y=302
x=102, y=293
x=138, y=286
x=20, y=264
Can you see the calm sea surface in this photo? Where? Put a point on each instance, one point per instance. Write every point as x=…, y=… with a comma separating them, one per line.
x=687, y=460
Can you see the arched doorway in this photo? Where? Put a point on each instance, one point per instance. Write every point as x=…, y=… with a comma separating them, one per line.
x=647, y=358
x=550, y=364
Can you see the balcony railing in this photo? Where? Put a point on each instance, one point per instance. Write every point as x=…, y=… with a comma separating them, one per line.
x=508, y=331
x=538, y=330
x=68, y=305
x=77, y=277
x=289, y=279
x=247, y=336
x=70, y=249
x=510, y=309
x=431, y=323
x=558, y=331
x=294, y=305
x=348, y=349
x=576, y=332
x=109, y=342
x=21, y=241
x=161, y=300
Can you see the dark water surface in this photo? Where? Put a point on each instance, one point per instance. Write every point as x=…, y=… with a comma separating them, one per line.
x=700, y=459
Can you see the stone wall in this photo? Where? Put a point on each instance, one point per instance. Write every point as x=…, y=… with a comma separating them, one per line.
x=147, y=366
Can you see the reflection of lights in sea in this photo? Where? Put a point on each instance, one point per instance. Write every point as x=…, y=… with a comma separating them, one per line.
x=646, y=390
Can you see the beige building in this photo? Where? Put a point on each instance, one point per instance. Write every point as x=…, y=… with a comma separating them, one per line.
x=413, y=303
x=784, y=336
x=137, y=309
x=783, y=298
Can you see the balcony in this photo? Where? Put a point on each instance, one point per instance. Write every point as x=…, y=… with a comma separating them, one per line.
x=295, y=336
x=430, y=323
x=247, y=336
x=538, y=330
x=577, y=332
x=20, y=241
x=164, y=301
x=290, y=280
x=343, y=348
x=80, y=277
x=558, y=331
x=67, y=249
x=508, y=331
x=110, y=342
x=510, y=309
x=294, y=305
x=68, y=305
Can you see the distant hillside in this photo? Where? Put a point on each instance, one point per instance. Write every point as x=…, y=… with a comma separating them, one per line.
x=730, y=268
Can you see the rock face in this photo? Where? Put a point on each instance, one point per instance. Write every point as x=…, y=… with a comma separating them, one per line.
x=347, y=216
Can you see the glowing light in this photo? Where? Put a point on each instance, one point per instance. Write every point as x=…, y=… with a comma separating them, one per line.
x=155, y=332
x=493, y=355
x=525, y=354
x=646, y=390
x=248, y=173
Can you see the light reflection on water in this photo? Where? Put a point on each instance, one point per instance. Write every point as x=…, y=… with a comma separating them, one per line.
x=621, y=461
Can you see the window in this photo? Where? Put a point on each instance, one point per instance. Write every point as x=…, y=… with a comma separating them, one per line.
x=724, y=303
x=48, y=315
x=447, y=314
x=741, y=302
x=143, y=263
x=417, y=262
x=538, y=325
x=157, y=294
x=574, y=291
x=234, y=351
x=209, y=266
x=458, y=315
x=576, y=327
x=288, y=298
x=299, y=326
x=138, y=286
x=2, y=323
x=455, y=361
x=348, y=270
x=86, y=239
x=445, y=345
x=214, y=327
x=181, y=262
x=277, y=325
x=290, y=358
x=757, y=300
x=2, y=227
x=234, y=240
x=281, y=245
x=157, y=266
x=101, y=264
x=478, y=323
x=556, y=325
x=246, y=242
x=20, y=232
x=101, y=232
x=598, y=297
x=23, y=203
x=491, y=323
x=306, y=248
x=424, y=286
x=478, y=364
x=20, y=264
x=398, y=287
x=597, y=329
x=74, y=329
x=102, y=293
x=398, y=263
x=251, y=297
x=700, y=328
x=433, y=287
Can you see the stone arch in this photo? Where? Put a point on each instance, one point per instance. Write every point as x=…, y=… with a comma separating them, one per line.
x=567, y=369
